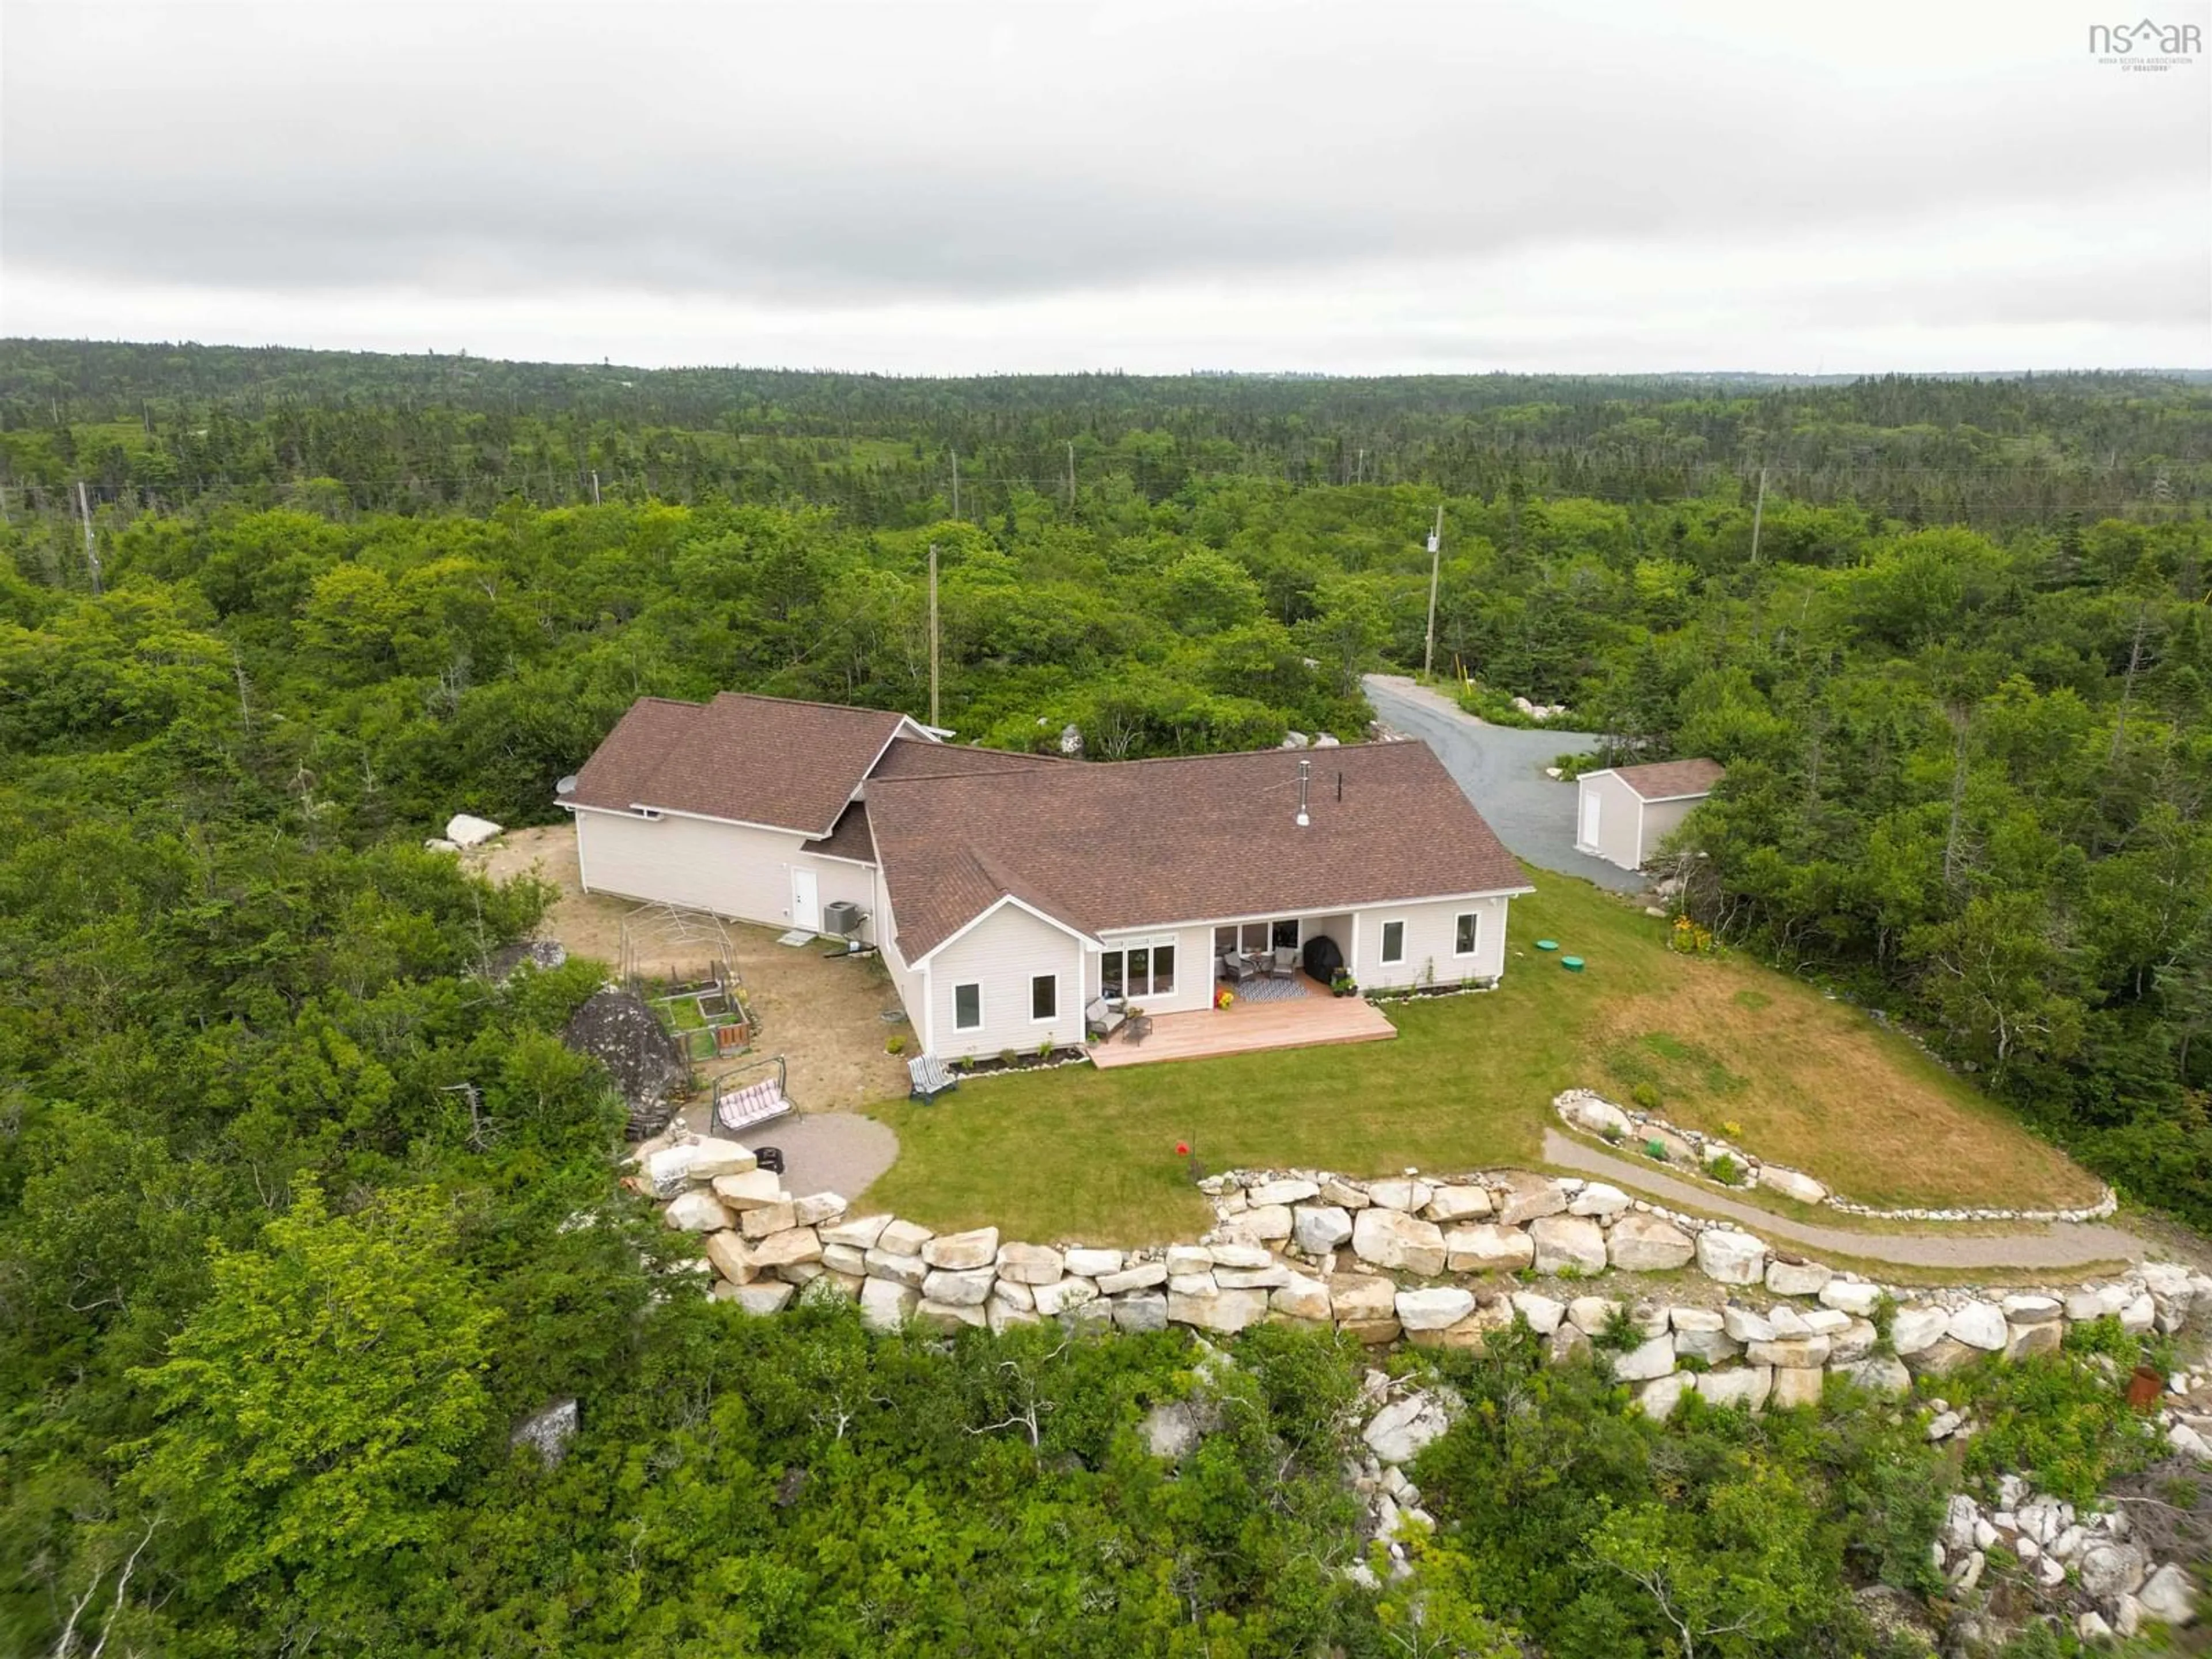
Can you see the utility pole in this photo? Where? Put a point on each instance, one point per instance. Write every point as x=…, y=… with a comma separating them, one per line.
x=956, y=483
x=1070, y=475
x=595, y=486
x=91, y=545
x=933, y=720
x=1758, y=512
x=1436, y=567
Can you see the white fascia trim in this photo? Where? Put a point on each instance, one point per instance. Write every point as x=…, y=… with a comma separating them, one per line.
x=1661, y=800
x=869, y=770
x=992, y=909
x=1314, y=912
x=639, y=809
x=836, y=858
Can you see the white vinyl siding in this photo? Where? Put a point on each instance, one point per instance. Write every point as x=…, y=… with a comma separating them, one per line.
x=1432, y=936
x=1194, y=974
x=1661, y=819
x=699, y=865
x=1002, y=954
x=1619, y=811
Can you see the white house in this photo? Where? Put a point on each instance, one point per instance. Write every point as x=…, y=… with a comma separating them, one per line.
x=1624, y=812
x=1007, y=892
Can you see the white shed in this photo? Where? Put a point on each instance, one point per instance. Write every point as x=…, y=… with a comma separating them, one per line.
x=1624, y=812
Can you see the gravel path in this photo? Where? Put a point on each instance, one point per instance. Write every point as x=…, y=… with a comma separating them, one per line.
x=1501, y=769
x=2044, y=1245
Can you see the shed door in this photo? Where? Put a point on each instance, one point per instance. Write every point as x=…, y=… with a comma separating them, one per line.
x=805, y=901
x=1591, y=801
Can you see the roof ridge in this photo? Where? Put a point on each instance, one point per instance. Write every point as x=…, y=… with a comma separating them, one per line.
x=810, y=702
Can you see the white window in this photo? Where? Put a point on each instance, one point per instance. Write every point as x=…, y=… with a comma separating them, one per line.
x=1393, y=943
x=1138, y=969
x=967, y=1007
x=1466, y=934
x=1044, y=997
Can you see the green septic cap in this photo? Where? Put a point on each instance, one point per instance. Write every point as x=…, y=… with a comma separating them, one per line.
x=1573, y=964
x=1548, y=944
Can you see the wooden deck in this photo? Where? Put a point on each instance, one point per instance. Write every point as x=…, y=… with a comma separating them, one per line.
x=1245, y=1027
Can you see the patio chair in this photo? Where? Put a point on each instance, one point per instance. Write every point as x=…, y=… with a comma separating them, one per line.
x=929, y=1077
x=1235, y=967
x=1101, y=1019
x=1281, y=962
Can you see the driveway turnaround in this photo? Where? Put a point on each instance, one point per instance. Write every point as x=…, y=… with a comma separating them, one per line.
x=1501, y=769
x=2037, y=1245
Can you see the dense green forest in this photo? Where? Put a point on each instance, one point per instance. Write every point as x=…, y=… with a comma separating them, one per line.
x=271, y=1297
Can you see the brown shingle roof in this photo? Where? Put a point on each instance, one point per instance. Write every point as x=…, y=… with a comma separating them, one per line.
x=1670, y=779
x=757, y=760
x=1138, y=843
x=911, y=757
x=848, y=838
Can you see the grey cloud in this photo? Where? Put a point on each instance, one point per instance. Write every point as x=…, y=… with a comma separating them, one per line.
x=846, y=155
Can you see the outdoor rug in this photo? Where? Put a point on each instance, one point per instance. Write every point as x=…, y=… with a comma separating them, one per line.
x=1269, y=990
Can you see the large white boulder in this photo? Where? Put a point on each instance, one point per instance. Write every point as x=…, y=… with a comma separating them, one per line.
x=886, y=1304
x=1027, y=1264
x=1097, y=1263
x=958, y=1287
x=1434, y=1309
x=1647, y=1360
x=1227, y=1311
x=1486, y=1247
x=1918, y=1327
x=464, y=830
x=712, y=1156
x=1565, y=1242
x=696, y=1212
x=977, y=1248
x=1737, y=1385
x=1397, y=1433
x=1599, y=1198
x=1790, y=1184
x=1600, y=1117
x=1852, y=1295
x=1142, y=1277
x=1730, y=1257
x=1281, y=1192
x=1797, y=1277
x=1643, y=1243
x=1301, y=1298
x=1391, y=1238
x=1318, y=1229
x=1979, y=1325
x=1447, y=1204
x=1408, y=1194
x=2168, y=1596
x=1529, y=1196
x=1064, y=1295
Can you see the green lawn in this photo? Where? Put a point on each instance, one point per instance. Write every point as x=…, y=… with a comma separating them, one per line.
x=1467, y=1083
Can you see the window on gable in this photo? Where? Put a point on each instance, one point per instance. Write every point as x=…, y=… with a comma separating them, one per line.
x=1393, y=943
x=1044, y=996
x=1466, y=934
x=967, y=1007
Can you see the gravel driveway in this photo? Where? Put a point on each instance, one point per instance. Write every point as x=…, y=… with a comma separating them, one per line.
x=1501, y=767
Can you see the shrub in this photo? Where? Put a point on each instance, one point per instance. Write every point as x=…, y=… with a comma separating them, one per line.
x=1726, y=1170
x=1656, y=1150
x=1611, y=1132
x=1646, y=1094
x=1620, y=1334
x=1007, y=1057
x=895, y=1044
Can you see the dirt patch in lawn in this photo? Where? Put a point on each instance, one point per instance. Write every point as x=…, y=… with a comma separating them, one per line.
x=1812, y=1084
x=823, y=1013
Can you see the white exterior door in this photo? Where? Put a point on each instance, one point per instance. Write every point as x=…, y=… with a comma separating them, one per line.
x=805, y=901
x=1591, y=802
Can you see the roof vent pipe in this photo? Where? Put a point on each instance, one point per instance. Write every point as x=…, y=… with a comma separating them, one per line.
x=1305, y=776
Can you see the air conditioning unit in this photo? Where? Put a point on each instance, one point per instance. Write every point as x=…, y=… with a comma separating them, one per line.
x=842, y=918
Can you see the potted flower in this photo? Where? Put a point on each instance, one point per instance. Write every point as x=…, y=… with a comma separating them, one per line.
x=1224, y=996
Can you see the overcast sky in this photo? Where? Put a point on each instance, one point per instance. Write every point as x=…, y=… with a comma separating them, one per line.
x=946, y=188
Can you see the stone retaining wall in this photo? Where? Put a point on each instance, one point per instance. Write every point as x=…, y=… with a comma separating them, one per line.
x=1429, y=1261
x=1691, y=1153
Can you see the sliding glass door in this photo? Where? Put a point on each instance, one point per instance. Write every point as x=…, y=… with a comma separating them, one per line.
x=1136, y=970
